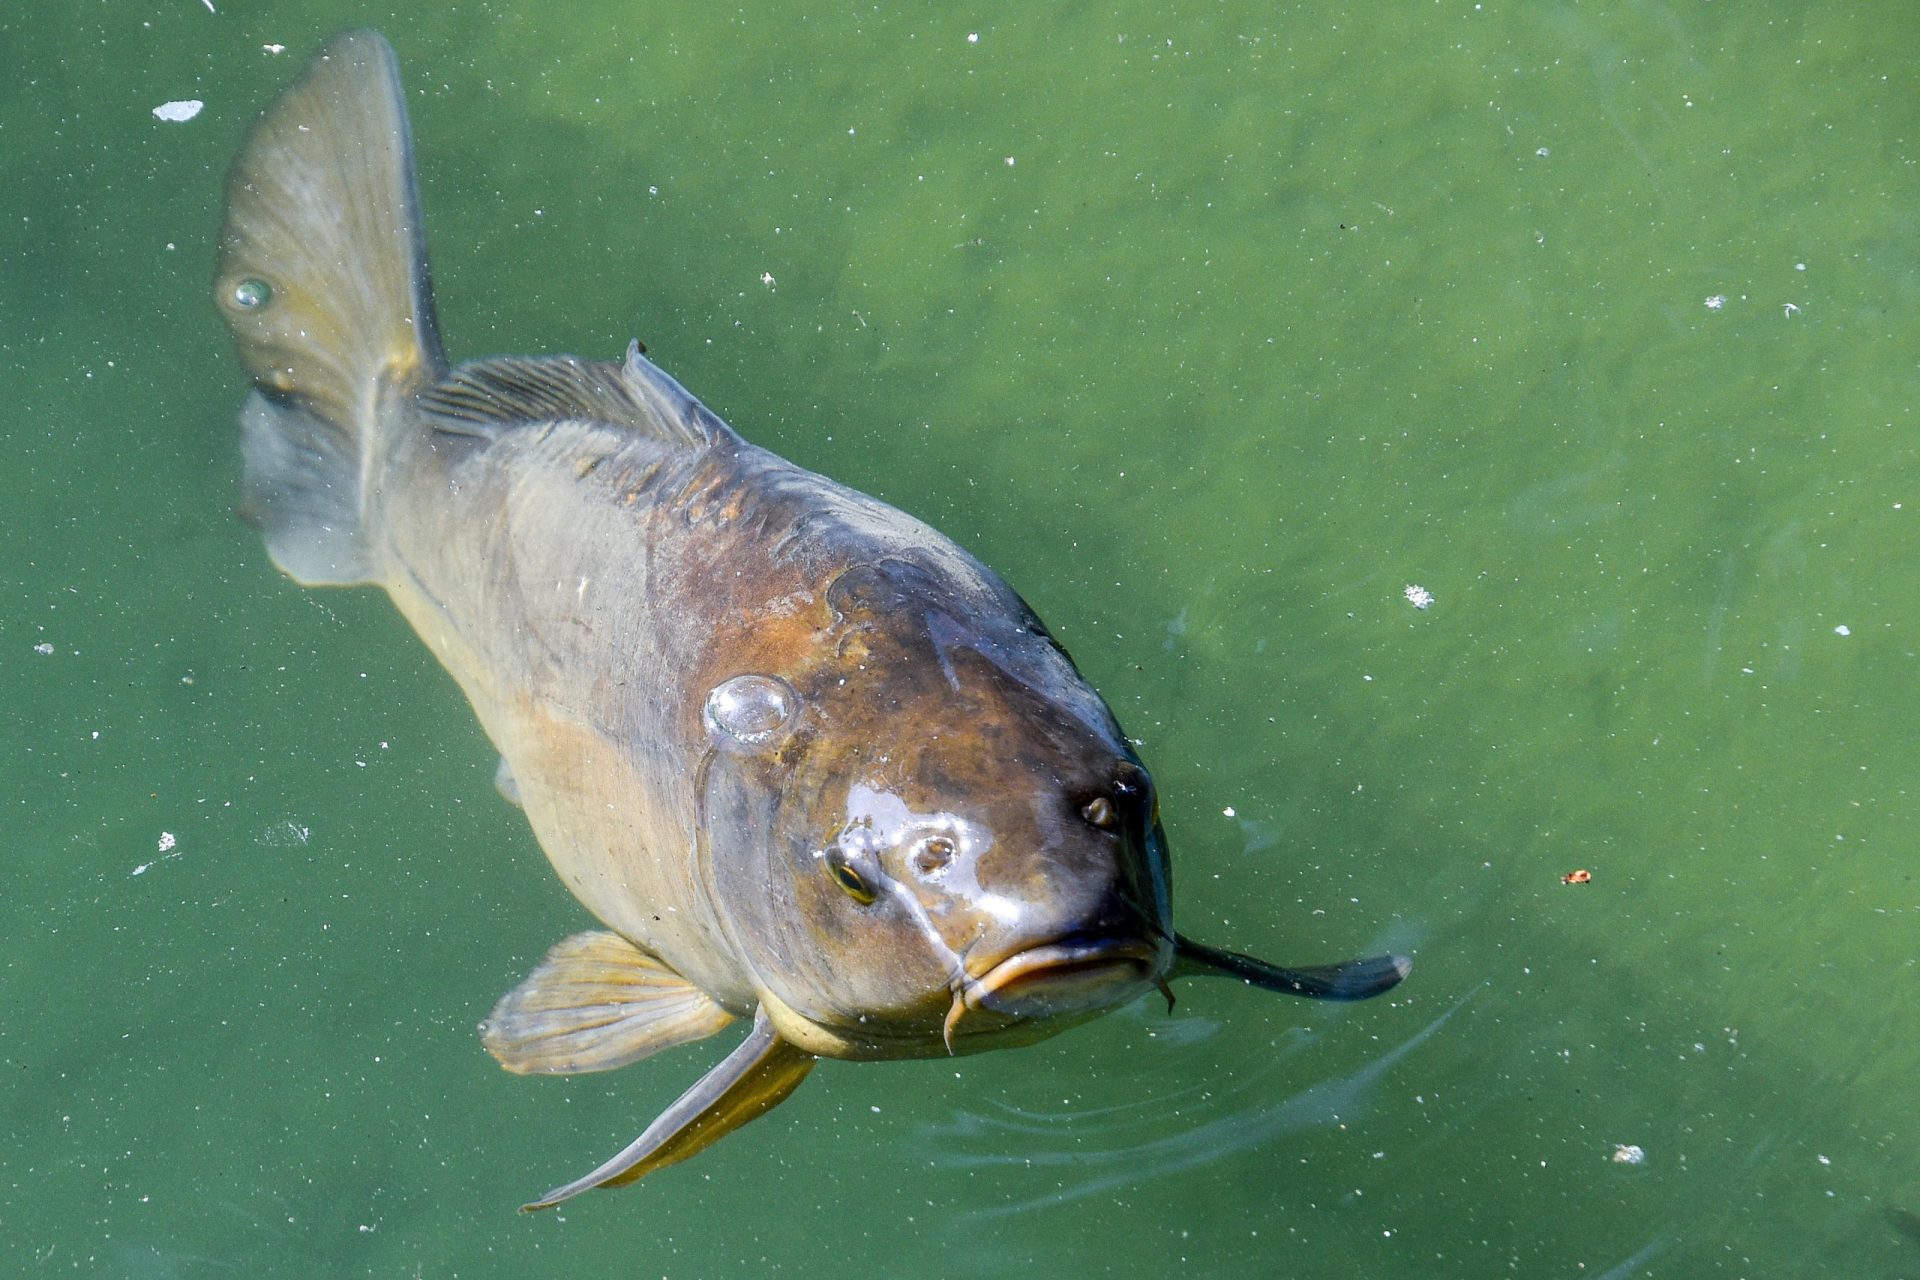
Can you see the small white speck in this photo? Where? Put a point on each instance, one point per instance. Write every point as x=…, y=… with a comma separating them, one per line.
x=1227, y=812
x=142, y=869
x=973, y=37
x=1418, y=596
x=1799, y=266
x=1716, y=302
x=1009, y=162
x=274, y=48
x=1368, y=679
x=1824, y=1160
x=1628, y=1154
x=44, y=650
x=1790, y=307
x=167, y=841
x=1843, y=630
x=1543, y=153
x=766, y=278
x=178, y=112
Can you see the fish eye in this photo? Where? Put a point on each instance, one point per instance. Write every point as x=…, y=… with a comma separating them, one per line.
x=1099, y=813
x=850, y=881
x=750, y=709
x=933, y=854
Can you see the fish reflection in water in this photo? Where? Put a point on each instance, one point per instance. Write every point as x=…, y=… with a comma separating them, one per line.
x=1127, y=1163
x=1631, y=1267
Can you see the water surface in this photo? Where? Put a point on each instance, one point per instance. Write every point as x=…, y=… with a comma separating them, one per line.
x=1214, y=328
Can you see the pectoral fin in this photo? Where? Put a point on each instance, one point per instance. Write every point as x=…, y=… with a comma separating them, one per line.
x=505, y=783
x=751, y=1080
x=594, y=1003
x=1348, y=980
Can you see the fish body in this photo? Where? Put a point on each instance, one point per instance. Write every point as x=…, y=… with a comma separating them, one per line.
x=809, y=762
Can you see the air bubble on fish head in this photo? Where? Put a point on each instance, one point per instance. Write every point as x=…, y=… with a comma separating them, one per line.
x=750, y=709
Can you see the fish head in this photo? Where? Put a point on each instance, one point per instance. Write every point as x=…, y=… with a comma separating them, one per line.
x=948, y=844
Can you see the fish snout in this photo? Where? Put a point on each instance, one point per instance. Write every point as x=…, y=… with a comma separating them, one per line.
x=1065, y=976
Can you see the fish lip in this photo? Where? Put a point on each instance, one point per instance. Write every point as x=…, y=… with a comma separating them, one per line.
x=1096, y=963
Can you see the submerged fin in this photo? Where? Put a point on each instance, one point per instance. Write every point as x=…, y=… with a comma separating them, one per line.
x=302, y=489
x=594, y=1003
x=323, y=280
x=1348, y=980
x=748, y=1082
x=504, y=783
x=486, y=396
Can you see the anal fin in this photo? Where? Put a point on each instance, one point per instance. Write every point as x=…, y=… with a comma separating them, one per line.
x=747, y=1083
x=594, y=1003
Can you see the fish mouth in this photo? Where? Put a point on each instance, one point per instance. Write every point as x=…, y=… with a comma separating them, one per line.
x=1073, y=979
x=1062, y=976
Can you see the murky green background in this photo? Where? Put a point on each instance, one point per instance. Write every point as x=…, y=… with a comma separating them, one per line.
x=1214, y=327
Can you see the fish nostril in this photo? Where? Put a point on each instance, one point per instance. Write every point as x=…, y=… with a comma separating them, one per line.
x=933, y=854
x=1099, y=812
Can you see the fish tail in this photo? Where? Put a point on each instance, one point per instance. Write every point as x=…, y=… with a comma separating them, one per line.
x=323, y=280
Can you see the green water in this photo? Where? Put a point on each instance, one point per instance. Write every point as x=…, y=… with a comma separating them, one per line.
x=1213, y=327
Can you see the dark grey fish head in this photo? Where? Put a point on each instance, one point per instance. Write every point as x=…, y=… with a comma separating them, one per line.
x=929, y=835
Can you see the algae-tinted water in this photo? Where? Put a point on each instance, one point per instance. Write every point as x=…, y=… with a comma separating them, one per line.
x=1214, y=327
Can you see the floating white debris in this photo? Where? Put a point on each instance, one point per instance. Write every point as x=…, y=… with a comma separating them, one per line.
x=178, y=112
x=43, y=649
x=1843, y=630
x=1227, y=812
x=1716, y=302
x=274, y=48
x=1418, y=596
x=167, y=841
x=1629, y=1154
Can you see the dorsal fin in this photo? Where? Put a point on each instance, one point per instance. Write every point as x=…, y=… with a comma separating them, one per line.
x=483, y=397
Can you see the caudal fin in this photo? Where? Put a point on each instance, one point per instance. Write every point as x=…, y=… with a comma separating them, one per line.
x=323, y=280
